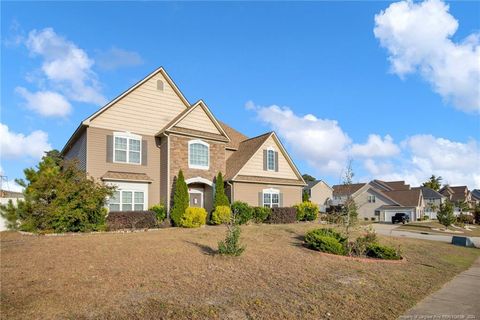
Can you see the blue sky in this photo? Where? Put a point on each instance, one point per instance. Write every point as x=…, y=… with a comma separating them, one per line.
x=315, y=72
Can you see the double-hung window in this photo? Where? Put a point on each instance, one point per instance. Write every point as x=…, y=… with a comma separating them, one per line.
x=126, y=200
x=271, y=198
x=198, y=154
x=127, y=148
x=371, y=199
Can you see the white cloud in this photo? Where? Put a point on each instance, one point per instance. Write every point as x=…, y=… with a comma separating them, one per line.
x=116, y=58
x=67, y=67
x=417, y=37
x=46, y=103
x=17, y=145
x=376, y=147
x=321, y=142
x=326, y=147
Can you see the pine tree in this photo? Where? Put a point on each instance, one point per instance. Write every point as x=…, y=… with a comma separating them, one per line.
x=445, y=215
x=180, y=199
x=220, y=196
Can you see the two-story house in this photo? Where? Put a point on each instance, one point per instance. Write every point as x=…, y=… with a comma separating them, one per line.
x=460, y=196
x=139, y=141
x=380, y=200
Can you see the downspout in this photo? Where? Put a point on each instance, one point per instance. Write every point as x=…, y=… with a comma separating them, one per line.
x=232, y=199
x=168, y=176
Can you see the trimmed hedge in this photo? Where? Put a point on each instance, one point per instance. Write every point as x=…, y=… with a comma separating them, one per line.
x=307, y=211
x=222, y=214
x=260, y=214
x=193, y=217
x=243, y=212
x=465, y=218
x=327, y=232
x=117, y=220
x=317, y=241
x=378, y=251
x=282, y=215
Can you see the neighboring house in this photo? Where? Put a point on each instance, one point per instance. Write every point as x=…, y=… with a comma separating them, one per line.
x=433, y=200
x=5, y=196
x=380, y=200
x=457, y=195
x=139, y=141
x=476, y=196
x=320, y=193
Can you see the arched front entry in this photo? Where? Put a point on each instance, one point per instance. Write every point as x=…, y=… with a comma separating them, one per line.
x=200, y=191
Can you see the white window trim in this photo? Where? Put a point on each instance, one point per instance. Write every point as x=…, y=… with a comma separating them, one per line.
x=194, y=166
x=271, y=149
x=132, y=187
x=196, y=191
x=128, y=136
x=270, y=191
x=120, y=191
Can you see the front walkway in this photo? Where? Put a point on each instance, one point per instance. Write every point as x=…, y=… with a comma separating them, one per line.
x=388, y=229
x=458, y=299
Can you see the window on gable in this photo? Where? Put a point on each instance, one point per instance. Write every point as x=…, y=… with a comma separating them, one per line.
x=271, y=160
x=371, y=198
x=159, y=85
x=198, y=154
x=127, y=148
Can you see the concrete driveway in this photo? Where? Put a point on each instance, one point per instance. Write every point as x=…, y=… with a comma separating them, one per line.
x=388, y=229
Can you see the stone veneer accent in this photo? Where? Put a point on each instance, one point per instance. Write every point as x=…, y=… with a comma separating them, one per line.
x=179, y=158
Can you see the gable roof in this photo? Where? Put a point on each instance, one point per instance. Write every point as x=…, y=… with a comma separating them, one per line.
x=246, y=150
x=340, y=190
x=476, y=194
x=406, y=198
x=135, y=86
x=182, y=115
x=455, y=193
x=235, y=136
x=392, y=185
x=430, y=193
x=311, y=184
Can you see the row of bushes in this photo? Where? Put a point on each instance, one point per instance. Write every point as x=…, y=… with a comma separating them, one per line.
x=330, y=241
x=195, y=217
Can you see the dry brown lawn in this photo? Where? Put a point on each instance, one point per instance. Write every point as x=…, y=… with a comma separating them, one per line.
x=175, y=273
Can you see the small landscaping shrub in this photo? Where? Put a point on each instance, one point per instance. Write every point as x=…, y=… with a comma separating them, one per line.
x=331, y=218
x=160, y=212
x=282, y=215
x=260, y=214
x=307, y=211
x=328, y=232
x=373, y=219
x=243, y=212
x=359, y=246
x=425, y=217
x=117, y=220
x=231, y=246
x=379, y=251
x=324, y=243
x=180, y=199
x=222, y=214
x=465, y=219
x=193, y=217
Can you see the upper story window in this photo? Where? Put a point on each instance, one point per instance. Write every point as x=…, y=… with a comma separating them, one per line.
x=127, y=148
x=198, y=154
x=371, y=199
x=271, y=160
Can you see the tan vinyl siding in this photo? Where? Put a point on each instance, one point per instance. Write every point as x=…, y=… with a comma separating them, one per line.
x=248, y=192
x=79, y=152
x=367, y=209
x=145, y=110
x=321, y=193
x=97, y=164
x=198, y=120
x=254, y=166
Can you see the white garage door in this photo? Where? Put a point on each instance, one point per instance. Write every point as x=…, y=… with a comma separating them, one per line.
x=390, y=213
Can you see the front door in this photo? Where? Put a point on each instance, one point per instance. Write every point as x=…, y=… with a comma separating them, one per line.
x=195, y=199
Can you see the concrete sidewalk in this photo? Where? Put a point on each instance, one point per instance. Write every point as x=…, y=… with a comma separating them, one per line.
x=458, y=299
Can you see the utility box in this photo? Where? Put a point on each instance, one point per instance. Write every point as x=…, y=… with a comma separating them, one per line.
x=462, y=241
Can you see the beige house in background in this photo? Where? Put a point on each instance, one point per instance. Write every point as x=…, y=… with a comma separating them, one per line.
x=139, y=141
x=380, y=200
x=320, y=193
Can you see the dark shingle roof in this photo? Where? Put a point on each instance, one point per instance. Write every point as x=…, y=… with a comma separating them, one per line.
x=235, y=136
x=345, y=190
x=429, y=193
x=407, y=198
